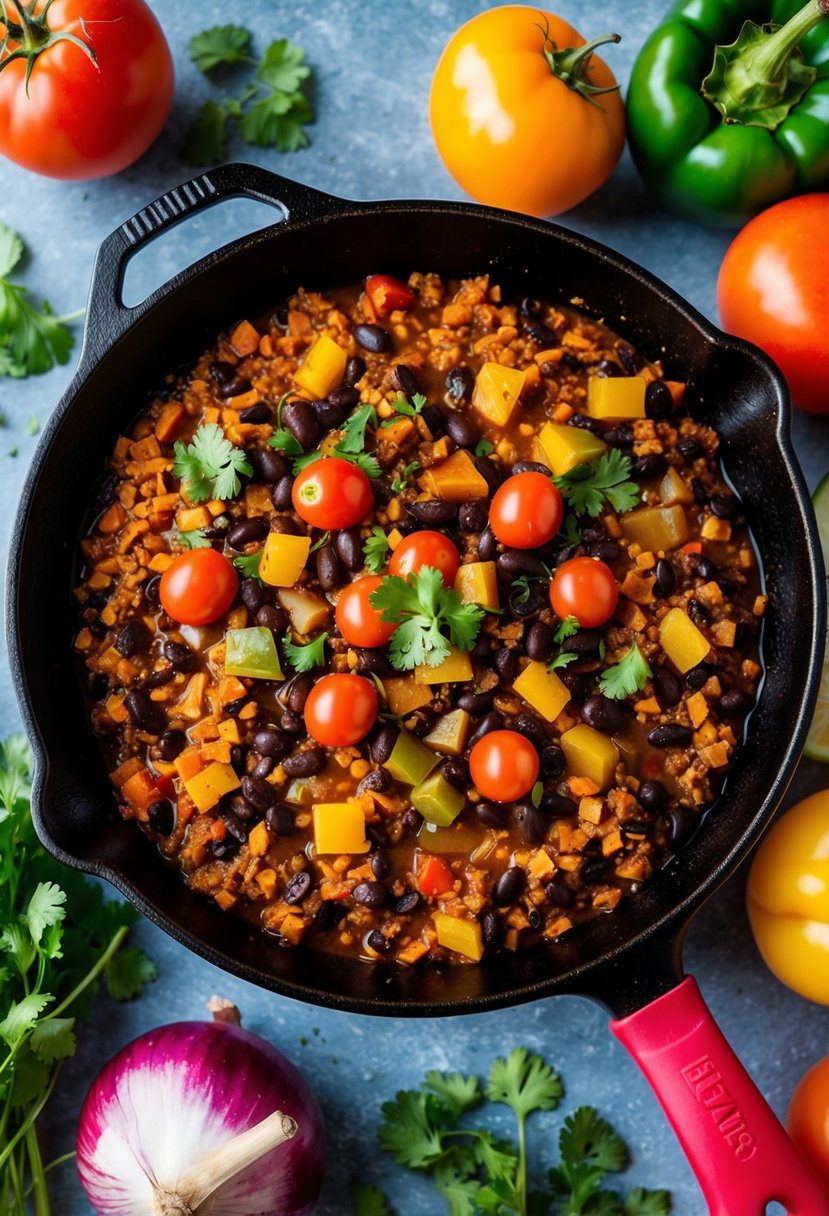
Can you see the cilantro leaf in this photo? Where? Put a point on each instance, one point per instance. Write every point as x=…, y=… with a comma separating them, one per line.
x=53, y=1039
x=302, y=461
x=408, y=409
x=367, y=1200
x=305, y=658
x=354, y=430
x=375, y=550
x=220, y=45
x=31, y=342
x=566, y=629
x=194, y=539
x=422, y=607
x=588, y=486
x=626, y=677
x=525, y=1082
x=128, y=972
x=411, y=1129
x=363, y=460
x=285, y=441
x=641, y=1202
x=483, y=448
x=283, y=68
x=277, y=119
x=562, y=660
x=318, y=544
x=209, y=465
x=205, y=142
x=46, y=907
x=22, y=1016
x=248, y=564
x=586, y=1136
x=11, y=249
x=457, y=1092
x=402, y=480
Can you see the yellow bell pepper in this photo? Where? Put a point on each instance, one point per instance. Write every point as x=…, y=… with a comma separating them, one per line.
x=788, y=898
x=496, y=392
x=462, y=936
x=339, y=827
x=283, y=558
x=209, y=785
x=322, y=368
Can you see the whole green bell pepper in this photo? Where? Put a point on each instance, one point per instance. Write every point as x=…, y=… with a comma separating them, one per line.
x=726, y=117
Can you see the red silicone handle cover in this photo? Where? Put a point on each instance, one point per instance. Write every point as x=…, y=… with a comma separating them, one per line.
x=737, y=1148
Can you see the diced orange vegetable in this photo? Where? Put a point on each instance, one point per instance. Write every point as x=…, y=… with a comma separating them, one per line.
x=245, y=338
x=113, y=519
x=190, y=518
x=455, y=479
x=168, y=421
x=614, y=398
x=590, y=754
x=477, y=583
x=563, y=447
x=208, y=786
x=124, y=771
x=323, y=367
x=542, y=689
x=307, y=611
x=404, y=696
x=188, y=763
x=455, y=667
x=140, y=790
x=259, y=839
x=496, y=392
x=682, y=642
x=340, y=827
x=283, y=558
x=462, y=936
x=656, y=528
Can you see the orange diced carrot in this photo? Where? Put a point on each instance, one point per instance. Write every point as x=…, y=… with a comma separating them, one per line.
x=112, y=519
x=245, y=338
x=168, y=421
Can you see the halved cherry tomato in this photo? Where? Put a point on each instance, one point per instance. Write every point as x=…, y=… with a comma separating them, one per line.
x=526, y=511
x=585, y=588
x=426, y=549
x=198, y=587
x=433, y=876
x=357, y=621
x=808, y=1119
x=332, y=493
x=341, y=710
x=387, y=294
x=504, y=765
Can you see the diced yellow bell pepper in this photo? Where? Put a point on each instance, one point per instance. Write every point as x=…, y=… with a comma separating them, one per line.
x=283, y=559
x=211, y=784
x=450, y=732
x=614, y=398
x=455, y=667
x=590, y=754
x=477, y=583
x=542, y=689
x=561, y=448
x=339, y=827
x=438, y=801
x=656, y=528
x=462, y=936
x=673, y=489
x=455, y=479
x=306, y=610
x=410, y=760
x=682, y=642
x=404, y=696
x=323, y=367
x=496, y=392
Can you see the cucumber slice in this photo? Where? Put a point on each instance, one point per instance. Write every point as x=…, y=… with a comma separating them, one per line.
x=817, y=742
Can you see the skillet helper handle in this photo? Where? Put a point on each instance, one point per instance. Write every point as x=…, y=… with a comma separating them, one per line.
x=735, y=1144
x=107, y=315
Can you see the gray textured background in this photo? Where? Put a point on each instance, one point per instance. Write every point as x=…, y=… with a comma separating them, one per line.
x=373, y=64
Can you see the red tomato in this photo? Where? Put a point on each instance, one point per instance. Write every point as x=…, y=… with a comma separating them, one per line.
x=198, y=587
x=387, y=294
x=808, y=1119
x=82, y=119
x=773, y=289
x=341, y=710
x=584, y=588
x=426, y=549
x=433, y=876
x=526, y=511
x=332, y=493
x=504, y=765
x=357, y=621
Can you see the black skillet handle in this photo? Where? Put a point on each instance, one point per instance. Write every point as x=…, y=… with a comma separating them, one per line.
x=107, y=315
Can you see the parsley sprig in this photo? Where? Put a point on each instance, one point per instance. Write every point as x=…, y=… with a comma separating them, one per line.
x=58, y=938
x=31, y=341
x=626, y=677
x=422, y=608
x=587, y=487
x=305, y=658
x=210, y=465
x=270, y=111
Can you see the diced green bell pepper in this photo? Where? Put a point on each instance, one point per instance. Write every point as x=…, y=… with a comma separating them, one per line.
x=410, y=760
x=438, y=801
x=252, y=652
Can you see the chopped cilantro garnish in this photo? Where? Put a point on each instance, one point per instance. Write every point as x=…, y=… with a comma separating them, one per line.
x=305, y=658
x=375, y=550
x=483, y=447
x=401, y=481
x=422, y=607
x=354, y=430
x=405, y=408
x=285, y=441
x=566, y=629
x=588, y=487
x=195, y=539
x=209, y=466
x=248, y=564
x=562, y=660
x=625, y=677
x=323, y=540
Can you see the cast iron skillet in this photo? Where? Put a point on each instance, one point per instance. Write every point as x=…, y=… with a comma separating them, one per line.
x=631, y=960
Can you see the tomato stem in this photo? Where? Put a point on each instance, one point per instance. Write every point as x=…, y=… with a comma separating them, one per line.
x=34, y=36
x=572, y=64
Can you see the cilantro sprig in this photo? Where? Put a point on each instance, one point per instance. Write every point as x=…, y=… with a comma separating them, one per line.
x=194, y=539
x=305, y=658
x=626, y=677
x=209, y=466
x=405, y=409
x=32, y=341
x=402, y=480
x=422, y=608
x=587, y=487
x=375, y=550
x=270, y=110
x=350, y=445
x=248, y=564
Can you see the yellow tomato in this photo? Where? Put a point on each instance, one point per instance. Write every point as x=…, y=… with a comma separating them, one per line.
x=788, y=898
x=524, y=115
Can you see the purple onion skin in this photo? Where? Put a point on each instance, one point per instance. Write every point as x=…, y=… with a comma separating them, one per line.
x=182, y=1089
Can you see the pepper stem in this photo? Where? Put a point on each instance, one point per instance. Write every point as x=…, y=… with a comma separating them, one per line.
x=571, y=65
x=760, y=77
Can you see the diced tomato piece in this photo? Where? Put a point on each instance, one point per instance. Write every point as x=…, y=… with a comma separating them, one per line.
x=693, y=546
x=388, y=294
x=434, y=876
x=164, y=785
x=141, y=790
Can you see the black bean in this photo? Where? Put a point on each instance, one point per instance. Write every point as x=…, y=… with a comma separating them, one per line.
x=474, y=516
x=171, y=744
x=344, y=398
x=619, y=436
x=514, y=563
x=690, y=449
x=306, y=763
x=247, y=531
x=222, y=372
x=237, y=827
x=558, y=806
x=268, y=466
x=378, y=942
x=258, y=792
x=647, y=467
x=407, y=903
x=606, y=551
x=374, y=662
x=461, y=429
x=301, y=421
x=635, y=827
x=297, y=888
x=373, y=338
x=728, y=585
x=328, y=915
x=492, y=815
x=422, y=724
x=489, y=472
x=146, y=714
x=434, y=419
x=406, y=380
x=670, y=734
x=681, y=823
x=593, y=531
x=221, y=850
x=535, y=918
x=281, y=493
x=291, y=723
x=161, y=817
x=629, y=358
x=659, y=403
x=530, y=823
x=538, y=641
x=698, y=612
x=329, y=571
x=456, y=772
x=703, y=566
x=234, y=388
x=594, y=871
x=296, y=694
x=133, y=637
x=105, y=488
x=506, y=664
x=530, y=727
x=257, y=413
x=525, y=603
x=378, y=780
x=272, y=618
x=664, y=583
x=271, y=742
x=381, y=864
x=382, y=742
x=355, y=369
x=652, y=795
x=586, y=641
x=700, y=496
x=371, y=894
x=553, y=761
x=157, y=679
x=490, y=721
x=539, y=332
x=585, y=423
x=487, y=545
x=179, y=655
x=735, y=701
x=604, y=715
x=475, y=702
x=508, y=887
x=329, y=417
x=530, y=466
x=382, y=490
x=577, y=686
x=492, y=929
x=349, y=549
x=378, y=834
x=559, y=893
x=99, y=687
x=238, y=759
x=280, y=820
x=459, y=383
x=608, y=368
x=264, y=767
x=667, y=687
x=252, y=595
x=433, y=511
x=530, y=307
x=697, y=677
x=725, y=505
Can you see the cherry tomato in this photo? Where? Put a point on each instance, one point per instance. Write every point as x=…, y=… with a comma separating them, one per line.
x=77, y=117
x=426, y=549
x=808, y=1119
x=584, y=588
x=433, y=876
x=387, y=294
x=503, y=765
x=358, y=622
x=198, y=587
x=332, y=493
x=341, y=710
x=508, y=128
x=526, y=511
x=773, y=289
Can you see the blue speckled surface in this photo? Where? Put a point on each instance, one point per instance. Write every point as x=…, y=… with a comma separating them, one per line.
x=373, y=63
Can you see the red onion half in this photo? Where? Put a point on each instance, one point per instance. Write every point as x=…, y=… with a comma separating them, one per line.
x=201, y=1117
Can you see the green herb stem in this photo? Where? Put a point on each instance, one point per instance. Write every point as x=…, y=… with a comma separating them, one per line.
x=91, y=975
